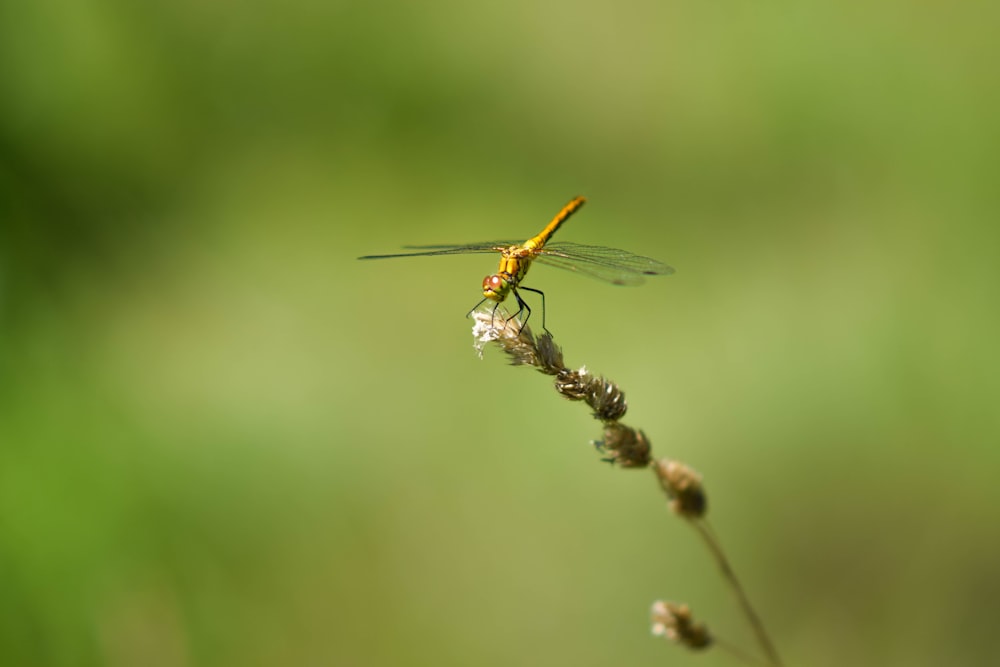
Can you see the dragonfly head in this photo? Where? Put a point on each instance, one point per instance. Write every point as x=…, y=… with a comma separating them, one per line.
x=495, y=287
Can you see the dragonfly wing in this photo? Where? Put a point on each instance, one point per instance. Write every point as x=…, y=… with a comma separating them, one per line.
x=428, y=250
x=612, y=265
x=615, y=276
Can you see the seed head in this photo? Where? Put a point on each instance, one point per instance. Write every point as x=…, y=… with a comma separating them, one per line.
x=683, y=487
x=625, y=446
x=673, y=621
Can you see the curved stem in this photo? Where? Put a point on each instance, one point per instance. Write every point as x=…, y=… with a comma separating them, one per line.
x=727, y=572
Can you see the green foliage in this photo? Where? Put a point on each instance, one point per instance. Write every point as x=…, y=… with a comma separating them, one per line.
x=223, y=441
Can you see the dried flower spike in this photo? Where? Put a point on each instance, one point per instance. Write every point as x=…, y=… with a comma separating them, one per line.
x=625, y=446
x=602, y=395
x=497, y=325
x=673, y=621
x=683, y=486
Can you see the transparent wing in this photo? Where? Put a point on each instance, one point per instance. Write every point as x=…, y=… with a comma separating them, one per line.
x=619, y=267
x=428, y=250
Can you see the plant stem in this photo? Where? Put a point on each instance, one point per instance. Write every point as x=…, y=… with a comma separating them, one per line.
x=706, y=534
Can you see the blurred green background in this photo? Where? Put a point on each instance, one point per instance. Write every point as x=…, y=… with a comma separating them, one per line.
x=224, y=441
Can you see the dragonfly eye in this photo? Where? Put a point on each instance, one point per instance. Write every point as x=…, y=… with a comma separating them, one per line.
x=494, y=287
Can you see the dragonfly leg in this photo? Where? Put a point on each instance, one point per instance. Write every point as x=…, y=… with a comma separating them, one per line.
x=521, y=303
x=493, y=317
x=468, y=314
x=521, y=307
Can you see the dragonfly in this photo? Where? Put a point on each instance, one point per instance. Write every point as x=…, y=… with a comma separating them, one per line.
x=618, y=267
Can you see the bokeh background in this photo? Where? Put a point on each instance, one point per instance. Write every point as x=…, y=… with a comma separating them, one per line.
x=224, y=441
